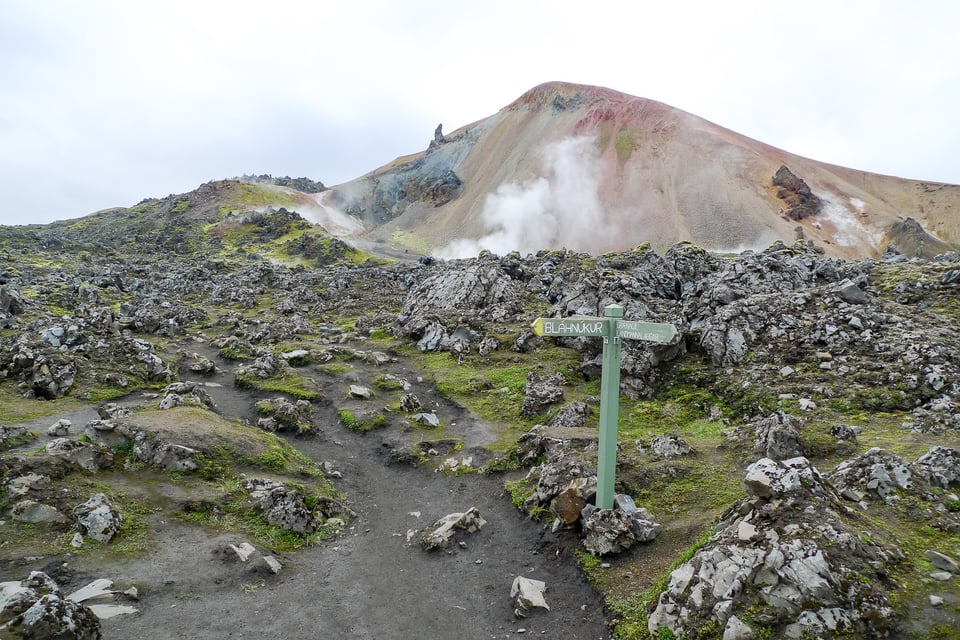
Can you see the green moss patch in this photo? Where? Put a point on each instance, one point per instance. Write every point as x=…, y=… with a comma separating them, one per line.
x=361, y=424
x=292, y=385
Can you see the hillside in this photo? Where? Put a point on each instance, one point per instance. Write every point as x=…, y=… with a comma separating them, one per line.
x=222, y=219
x=595, y=170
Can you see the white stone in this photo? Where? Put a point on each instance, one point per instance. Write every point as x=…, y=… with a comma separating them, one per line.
x=59, y=428
x=273, y=563
x=746, y=531
x=243, y=551
x=942, y=561
x=106, y=611
x=680, y=578
x=736, y=629
x=12, y=592
x=96, y=589
x=760, y=477
x=358, y=391
x=935, y=601
x=445, y=527
x=35, y=512
x=526, y=594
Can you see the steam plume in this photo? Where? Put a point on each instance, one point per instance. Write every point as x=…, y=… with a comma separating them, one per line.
x=562, y=208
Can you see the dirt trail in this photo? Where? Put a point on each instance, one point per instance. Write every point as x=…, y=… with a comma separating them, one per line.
x=371, y=582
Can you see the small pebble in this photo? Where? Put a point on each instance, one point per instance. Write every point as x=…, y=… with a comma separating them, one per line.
x=604, y=565
x=935, y=601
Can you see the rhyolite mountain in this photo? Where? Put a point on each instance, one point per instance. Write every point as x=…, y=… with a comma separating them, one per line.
x=644, y=172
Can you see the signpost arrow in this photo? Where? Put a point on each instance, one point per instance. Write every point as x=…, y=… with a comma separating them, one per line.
x=611, y=327
x=572, y=326
x=649, y=331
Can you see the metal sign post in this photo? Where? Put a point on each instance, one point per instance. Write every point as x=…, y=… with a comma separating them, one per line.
x=609, y=408
x=612, y=328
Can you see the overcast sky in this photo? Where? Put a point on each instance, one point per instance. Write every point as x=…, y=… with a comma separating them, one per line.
x=105, y=103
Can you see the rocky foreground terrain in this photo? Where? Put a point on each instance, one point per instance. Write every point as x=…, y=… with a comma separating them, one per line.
x=248, y=428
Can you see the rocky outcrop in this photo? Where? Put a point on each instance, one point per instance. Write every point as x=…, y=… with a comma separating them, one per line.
x=940, y=467
x=876, y=474
x=44, y=358
x=145, y=446
x=540, y=392
x=46, y=615
x=280, y=414
x=35, y=512
x=284, y=507
x=98, y=518
x=610, y=531
x=483, y=286
x=10, y=436
x=798, y=200
x=910, y=238
x=567, y=486
x=37, y=608
x=669, y=446
x=91, y=457
x=785, y=551
x=777, y=436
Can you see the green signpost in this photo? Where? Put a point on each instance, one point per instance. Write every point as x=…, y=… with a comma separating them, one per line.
x=612, y=328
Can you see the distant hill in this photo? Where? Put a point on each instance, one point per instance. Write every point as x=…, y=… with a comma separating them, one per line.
x=219, y=219
x=592, y=169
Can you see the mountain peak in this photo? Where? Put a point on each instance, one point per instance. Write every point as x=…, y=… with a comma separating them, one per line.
x=568, y=94
x=593, y=169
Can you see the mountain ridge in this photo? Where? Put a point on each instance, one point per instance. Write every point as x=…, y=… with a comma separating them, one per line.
x=581, y=167
x=680, y=176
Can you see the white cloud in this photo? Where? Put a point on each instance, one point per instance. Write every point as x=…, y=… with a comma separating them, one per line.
x=104, y=103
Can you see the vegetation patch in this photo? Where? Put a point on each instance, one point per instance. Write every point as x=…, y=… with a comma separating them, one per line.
x=361, y=424
x=15, y=409
x=388, y=383
x=292, y=385
x=318, y=249
x=493, y=387
x=625, y=143
x=509, y=461
x=334, y=368
x=236, y=353
x=235, y=513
